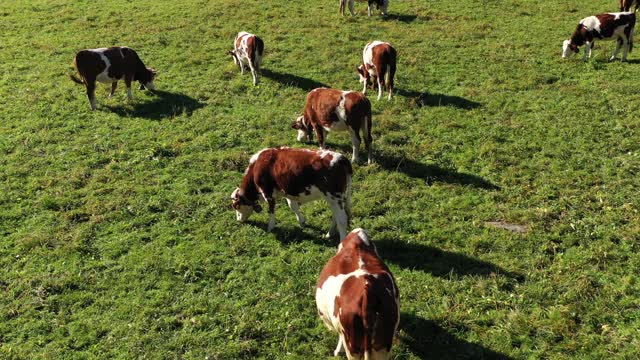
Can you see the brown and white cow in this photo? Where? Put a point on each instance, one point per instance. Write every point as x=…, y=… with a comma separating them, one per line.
x=382, y=5
x=610, y=26
x=248, y=50
x=336, y=110
x=108, y=65
x=379, y=66
x=625, y=5
x=357, y=297
x=300, y=176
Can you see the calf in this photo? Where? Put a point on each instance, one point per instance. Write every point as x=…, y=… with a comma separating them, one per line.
x=108, y=65
x=378, y=65
x=610, y=26
x=248, y=49
x=625, y=5
x=357, y=297
x=336, y=110
x=382, y=5
x=300, y=176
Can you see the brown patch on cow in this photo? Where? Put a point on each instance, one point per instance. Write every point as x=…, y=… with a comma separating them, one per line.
x=367, y=304
x=293, y=171
x=321, y=112
x=520, y=229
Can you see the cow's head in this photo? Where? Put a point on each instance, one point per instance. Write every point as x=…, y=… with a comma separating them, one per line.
x=305, y=131
x=234, y=56
x=243, y=206
x=568, y=49
x=363, y=73
x=146, y=79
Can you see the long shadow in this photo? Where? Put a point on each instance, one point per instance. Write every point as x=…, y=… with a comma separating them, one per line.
x=427, y=99
x=403, y=18
x=295, y=234
x=430, y=172
x=428, y=340
x=438, y=262
x=164, y=104
x=292, y=80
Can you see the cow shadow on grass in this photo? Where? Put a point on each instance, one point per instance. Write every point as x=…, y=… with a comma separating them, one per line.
x=430, y=173
x=402, y=18
x=164, y=104
x=428, y=340
x=294, y=234
x=436, y=261
x=292, y=80
x=422, y=99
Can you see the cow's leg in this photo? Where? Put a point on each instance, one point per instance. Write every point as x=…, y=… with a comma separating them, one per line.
x=625, y=51
x=355, y=144
x=296, y=209
x=340, y=347
x=384, y=7
x=272, y=213
x=320, y=133
x=370, y=8
x=366, y=82
x=366, y=133
x=340, y=217
x=351, y=7
x=587, y=51
x=254, y=72
x=615, y=52
x=379, y=87
x=113, y=88
x=91, y=93
x=343, y=4
x=128, y=78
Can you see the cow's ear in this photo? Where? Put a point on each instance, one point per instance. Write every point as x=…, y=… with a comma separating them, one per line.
x=257, y=208
x=294, y=125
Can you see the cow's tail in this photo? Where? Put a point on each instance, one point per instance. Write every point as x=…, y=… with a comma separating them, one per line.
x=631, y=39
x=74, y=78
x=370, y=311
x=347, y=199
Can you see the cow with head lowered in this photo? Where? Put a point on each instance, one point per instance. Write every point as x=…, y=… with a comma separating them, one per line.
x=609, y=26
x=336, y=110
x=108, y=65
x=378, y=67
x=300, y=176
x=247, y=51
x=357, y=297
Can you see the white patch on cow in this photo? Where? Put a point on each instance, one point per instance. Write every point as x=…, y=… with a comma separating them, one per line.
x=326, y=294
x=303, y=197
x=591, y=23
x=335, y=156
x=362, y=235
x=367, y=54
x=360, y=263
x=103, y=77
x=255, y=156
x=341, y=113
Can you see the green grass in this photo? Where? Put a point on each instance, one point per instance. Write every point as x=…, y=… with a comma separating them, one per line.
x=116, y=235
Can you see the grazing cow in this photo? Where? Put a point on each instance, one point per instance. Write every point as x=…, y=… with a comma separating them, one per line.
x=382, y=5
x=336, y=110
x=248, y=49
x=300, y=176
x=108, y=65
x=357, y=297
x=610, y=26
x=625, y=5
x=379, y=66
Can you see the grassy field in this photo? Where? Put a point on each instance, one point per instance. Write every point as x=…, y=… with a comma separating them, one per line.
x=117, y=239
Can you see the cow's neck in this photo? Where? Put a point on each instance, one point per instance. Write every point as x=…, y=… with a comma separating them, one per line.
x=248, y=188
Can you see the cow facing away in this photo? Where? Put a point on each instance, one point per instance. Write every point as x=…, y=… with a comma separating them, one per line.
x=625, y=5
x=610, y=26
x=247, y=51
x=382, y=5
x=336, y=110
x=108, y=65
x=300, y=176
x=378, y=67
x=357, y=297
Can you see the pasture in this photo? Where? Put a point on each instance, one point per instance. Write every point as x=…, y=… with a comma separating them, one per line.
x=117, y=239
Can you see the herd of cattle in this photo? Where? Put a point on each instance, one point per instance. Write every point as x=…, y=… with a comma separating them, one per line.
x=356, y=293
